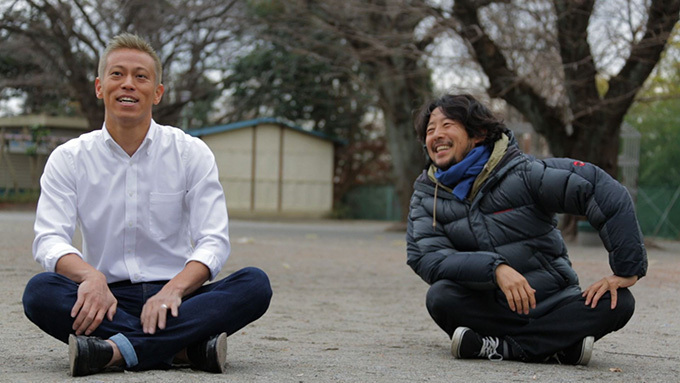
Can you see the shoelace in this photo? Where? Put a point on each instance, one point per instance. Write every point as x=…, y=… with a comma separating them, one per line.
x=489, y=348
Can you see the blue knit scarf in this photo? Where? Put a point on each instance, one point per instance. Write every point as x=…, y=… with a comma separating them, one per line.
x=463, y=174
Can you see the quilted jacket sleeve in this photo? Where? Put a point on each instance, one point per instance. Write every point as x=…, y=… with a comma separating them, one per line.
x=574, y=187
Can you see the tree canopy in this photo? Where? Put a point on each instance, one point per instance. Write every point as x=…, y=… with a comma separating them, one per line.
x=278, y=82
x=55, y=47
x=572, y=69
x=656, y=115
x=274, y=81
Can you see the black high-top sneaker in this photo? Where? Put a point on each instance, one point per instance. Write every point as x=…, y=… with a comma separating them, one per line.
x=467, y=344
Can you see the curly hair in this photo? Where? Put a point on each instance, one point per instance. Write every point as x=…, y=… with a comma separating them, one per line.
x=475, y=117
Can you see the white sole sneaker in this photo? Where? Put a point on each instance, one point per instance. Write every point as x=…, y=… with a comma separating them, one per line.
x=586, y=351
x=456, y=340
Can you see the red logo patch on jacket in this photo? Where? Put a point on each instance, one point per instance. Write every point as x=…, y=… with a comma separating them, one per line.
x=579, y=163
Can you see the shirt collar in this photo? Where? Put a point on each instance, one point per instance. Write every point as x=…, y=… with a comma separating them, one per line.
x=148, y=139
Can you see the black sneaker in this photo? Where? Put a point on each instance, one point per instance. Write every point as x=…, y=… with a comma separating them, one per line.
x=467, y=344
x=209, y=355
x=578, y=354
x=88, y=354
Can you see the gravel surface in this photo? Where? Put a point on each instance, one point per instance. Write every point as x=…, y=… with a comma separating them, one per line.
x=347, y=308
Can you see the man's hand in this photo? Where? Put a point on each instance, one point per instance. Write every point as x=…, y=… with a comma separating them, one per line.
x=155, y=310
x=95, y=301
x=610, y=283
x=518, y=292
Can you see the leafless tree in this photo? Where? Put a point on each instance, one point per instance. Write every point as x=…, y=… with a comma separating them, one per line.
x=380, y=38
x=60, y=40
x=571, y=68
x=602, y=53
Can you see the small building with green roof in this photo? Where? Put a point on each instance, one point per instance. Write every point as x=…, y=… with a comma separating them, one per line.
x=270, y=167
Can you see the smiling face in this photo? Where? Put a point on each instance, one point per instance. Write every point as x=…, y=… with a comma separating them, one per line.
x=447, y=141
x=128, y=88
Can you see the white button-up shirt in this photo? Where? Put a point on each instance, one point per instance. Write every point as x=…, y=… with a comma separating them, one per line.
x=142, y=217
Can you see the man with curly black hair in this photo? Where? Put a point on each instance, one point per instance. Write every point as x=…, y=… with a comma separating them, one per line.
x=482, y=232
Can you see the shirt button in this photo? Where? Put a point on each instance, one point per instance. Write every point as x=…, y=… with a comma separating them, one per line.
x=130, y=223
x=137, y=276
x=131, y=193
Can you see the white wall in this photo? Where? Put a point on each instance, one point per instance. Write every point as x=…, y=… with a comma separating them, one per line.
x=233, y=153
x=307, y=173
x=303, y=185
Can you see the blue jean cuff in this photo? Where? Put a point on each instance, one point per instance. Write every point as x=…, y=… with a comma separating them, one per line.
x=126, y=349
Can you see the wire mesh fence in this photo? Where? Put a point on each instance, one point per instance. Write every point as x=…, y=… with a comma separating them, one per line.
x=658, y=210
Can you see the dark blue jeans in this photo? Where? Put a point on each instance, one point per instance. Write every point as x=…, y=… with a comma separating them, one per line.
x=223, y=306
x=532, y=339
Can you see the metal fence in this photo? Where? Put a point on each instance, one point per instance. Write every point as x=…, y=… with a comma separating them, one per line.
x=377, y=202
x=658, y=211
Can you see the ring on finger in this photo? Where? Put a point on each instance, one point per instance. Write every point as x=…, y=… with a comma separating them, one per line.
x=164, y=306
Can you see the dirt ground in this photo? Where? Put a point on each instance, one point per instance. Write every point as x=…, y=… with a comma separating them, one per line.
x=347, y=308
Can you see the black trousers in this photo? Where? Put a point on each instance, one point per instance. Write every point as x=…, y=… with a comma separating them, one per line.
x=532, y=339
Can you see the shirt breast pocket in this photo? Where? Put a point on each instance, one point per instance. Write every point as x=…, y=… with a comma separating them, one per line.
x=165, y=214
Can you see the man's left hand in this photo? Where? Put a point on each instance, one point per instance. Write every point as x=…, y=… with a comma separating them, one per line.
x=155, y=310
x=610, y=283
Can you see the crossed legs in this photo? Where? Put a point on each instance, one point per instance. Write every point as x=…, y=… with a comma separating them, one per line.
x=224, y=306
x=532, y=339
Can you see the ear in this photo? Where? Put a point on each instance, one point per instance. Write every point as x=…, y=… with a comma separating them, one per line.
x=160, y=89
x=98, y=88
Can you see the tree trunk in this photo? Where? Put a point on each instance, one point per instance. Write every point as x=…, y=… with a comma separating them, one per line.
x=403, y=87
x=591, y=132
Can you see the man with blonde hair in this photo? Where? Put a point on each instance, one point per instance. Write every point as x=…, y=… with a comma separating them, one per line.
x=153, y=217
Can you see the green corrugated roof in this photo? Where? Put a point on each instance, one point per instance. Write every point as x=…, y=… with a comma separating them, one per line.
x=259, y=121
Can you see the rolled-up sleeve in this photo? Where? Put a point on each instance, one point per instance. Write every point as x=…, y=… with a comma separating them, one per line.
x=209, y=222
x=56, y=214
